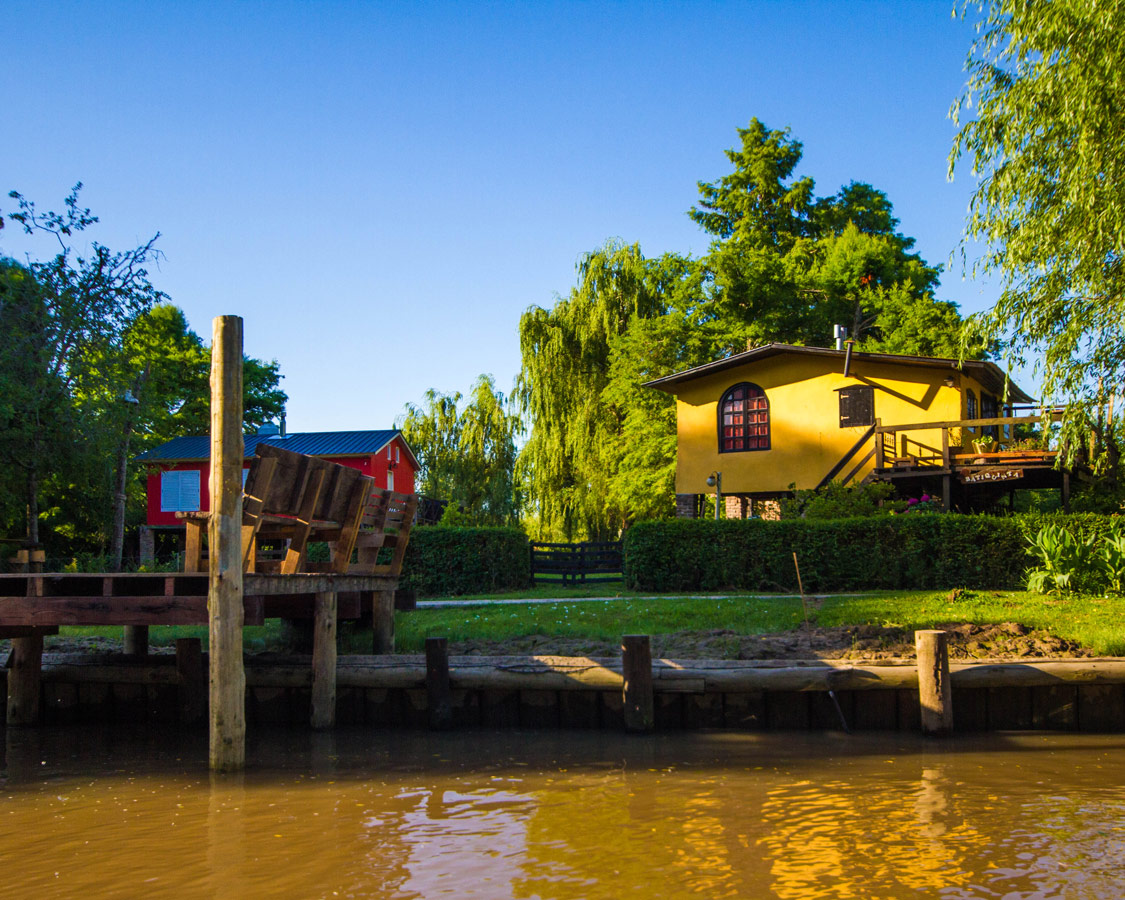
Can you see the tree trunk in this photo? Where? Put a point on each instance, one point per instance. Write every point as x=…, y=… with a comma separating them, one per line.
x=33, y=505
x=117, y=538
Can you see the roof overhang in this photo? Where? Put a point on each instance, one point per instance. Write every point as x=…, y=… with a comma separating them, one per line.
x=990, y=375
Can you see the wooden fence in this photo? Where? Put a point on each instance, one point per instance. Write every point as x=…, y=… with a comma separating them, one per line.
x=584, y=563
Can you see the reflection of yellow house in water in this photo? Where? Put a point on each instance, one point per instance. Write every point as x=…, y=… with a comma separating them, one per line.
x=779, y=416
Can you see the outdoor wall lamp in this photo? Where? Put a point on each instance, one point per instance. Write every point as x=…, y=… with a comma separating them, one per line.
x=715, y=480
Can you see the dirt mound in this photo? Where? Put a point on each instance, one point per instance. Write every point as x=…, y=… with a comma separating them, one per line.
x=1008, y=640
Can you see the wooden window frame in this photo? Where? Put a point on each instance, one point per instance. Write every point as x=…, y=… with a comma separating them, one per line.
x=762, y=408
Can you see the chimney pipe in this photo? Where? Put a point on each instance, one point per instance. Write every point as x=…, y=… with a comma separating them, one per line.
x=839, y=332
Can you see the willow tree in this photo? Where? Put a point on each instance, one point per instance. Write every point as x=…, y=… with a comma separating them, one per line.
x=468, y=454
x=573, y=449
x=1040, y=123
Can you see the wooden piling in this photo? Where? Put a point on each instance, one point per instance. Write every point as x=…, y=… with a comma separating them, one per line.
x=24, y=679
x=136, y=640
x=383, y=622
x=636, y=693
x=323, y=713
x=192, y=683
x=224, y=533
x=935, y=696
x=25, y=674
x=438, y=695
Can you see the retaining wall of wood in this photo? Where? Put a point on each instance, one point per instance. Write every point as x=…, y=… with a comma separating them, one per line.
x=546, y=692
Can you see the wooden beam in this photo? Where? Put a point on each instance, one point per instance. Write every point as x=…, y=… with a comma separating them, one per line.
x=324, y=662
x=846, y=458
x=967, y=423
x=555, y=673
x=227, y=693
x=20, y=631
x=145, y=610
x=263, y=584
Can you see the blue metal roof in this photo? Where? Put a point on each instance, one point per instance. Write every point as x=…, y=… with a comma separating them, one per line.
x=311, y=443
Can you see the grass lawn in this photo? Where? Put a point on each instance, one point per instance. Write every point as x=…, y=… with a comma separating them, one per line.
x=1095, y=622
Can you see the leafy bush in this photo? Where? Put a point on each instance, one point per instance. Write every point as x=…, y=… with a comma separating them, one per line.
x=442, y=561
x=878, y=552
x=1112, y=561
x=1069, y=562
x=839, y=501
x=1066, y=561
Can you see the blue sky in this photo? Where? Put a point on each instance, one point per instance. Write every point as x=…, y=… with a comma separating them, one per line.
x=381, y=189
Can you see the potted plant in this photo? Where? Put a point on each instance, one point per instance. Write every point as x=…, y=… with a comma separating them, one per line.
x=984, y=444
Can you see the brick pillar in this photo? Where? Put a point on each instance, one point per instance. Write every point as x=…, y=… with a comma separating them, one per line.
x=736, y=506
x=685, y=506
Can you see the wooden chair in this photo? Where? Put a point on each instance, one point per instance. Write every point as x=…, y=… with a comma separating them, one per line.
x=290, y=498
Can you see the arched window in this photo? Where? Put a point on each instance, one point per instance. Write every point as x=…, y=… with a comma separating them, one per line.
x=744, y=419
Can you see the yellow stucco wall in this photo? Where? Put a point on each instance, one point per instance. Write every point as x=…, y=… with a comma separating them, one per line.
x=806, y=439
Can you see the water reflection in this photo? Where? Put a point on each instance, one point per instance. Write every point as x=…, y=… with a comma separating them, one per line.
x=563, y=815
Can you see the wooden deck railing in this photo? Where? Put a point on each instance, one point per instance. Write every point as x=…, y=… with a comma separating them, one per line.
x=895, y=445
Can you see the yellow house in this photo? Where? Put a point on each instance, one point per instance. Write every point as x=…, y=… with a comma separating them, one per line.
x=781, y=416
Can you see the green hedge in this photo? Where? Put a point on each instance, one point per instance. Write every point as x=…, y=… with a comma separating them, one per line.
x=881, y=552
x=442, y=561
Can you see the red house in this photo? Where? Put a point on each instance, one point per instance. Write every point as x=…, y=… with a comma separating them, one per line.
x=178, y=471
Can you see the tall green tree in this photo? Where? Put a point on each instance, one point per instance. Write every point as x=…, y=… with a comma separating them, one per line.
x=80, y=306
x=1040, y=125
x=786, y=265
x=468, y=454
x=150, y=388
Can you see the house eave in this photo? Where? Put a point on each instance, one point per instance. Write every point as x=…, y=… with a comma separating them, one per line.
x=987, y=373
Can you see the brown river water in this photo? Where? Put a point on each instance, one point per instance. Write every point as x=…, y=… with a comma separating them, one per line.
x=536, y=814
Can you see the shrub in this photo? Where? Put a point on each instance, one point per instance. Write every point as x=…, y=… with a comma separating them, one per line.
x=839, y=501
x=880, y=552
x=443, y=561
x=1077, y=562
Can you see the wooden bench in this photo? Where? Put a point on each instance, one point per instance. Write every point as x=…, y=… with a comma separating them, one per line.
x=387, y=521
x=291, y=498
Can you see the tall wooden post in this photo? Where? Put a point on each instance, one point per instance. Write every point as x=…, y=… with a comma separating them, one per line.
x=26, y=669
x=935, y=695
x=438, y=699
x=324, y=661
x=383, y=622
x=227, y=692
x=636, y=665
x=23, y=679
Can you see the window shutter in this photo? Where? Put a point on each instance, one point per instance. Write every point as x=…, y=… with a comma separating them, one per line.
x=857, y=406
x=179, y=491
